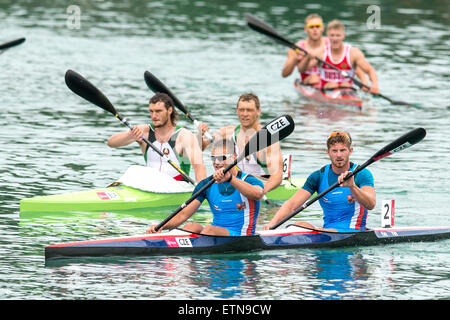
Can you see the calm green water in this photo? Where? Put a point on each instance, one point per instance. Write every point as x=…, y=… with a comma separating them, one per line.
x=54, y=142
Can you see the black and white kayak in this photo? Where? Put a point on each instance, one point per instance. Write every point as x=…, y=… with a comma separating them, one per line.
x=180, y=242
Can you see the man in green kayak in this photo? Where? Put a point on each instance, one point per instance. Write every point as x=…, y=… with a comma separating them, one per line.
x=266, y=164
x=233, y=198
x=344, y=208
x=179, y=144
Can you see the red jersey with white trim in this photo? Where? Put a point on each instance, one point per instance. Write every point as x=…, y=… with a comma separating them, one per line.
x=313, y=70
x=328, y=74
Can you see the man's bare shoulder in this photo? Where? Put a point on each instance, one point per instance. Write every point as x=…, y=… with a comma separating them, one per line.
x=226, y=132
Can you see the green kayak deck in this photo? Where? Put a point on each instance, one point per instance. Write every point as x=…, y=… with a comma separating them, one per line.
x=124, y=198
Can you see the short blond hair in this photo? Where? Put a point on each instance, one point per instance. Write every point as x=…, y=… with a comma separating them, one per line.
x=312, y=16
x=335, y=25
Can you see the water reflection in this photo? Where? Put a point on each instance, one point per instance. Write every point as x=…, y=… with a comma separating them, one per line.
x=338, y=273
x=293, y=274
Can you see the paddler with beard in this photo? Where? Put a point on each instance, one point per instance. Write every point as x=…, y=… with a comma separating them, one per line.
x=179, y=144
x=345, y=208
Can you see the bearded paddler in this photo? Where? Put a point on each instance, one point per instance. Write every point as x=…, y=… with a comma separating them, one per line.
x=177, y=143
x=345, y=208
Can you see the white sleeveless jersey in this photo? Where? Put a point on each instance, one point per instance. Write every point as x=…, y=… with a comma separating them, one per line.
x=154, y=160
x=249, y=164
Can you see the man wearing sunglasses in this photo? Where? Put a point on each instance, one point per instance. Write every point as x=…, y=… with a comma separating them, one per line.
x=233, y=198
x=344, y=208
x=314, y=44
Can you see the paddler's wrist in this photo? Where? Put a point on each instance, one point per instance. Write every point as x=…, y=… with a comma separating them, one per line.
x=231, y=177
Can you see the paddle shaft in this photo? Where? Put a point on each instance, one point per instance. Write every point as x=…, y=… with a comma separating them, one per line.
x=405, y=141
x=262, y=27
x=151, y=145
x=273, y=132
x=195, y=195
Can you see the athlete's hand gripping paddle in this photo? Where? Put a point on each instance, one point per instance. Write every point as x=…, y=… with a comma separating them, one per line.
x=274, y=131
x=405, y=141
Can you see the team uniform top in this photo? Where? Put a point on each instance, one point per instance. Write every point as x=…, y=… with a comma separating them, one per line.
x=315, y=69
x=154, y=160
x=328, y=74
x=340, y=210
x=250, y=164
x=232, y=210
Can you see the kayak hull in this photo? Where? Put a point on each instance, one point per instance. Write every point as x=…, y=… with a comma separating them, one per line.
x=179, y=242
x=124, y=198
x=339, y=96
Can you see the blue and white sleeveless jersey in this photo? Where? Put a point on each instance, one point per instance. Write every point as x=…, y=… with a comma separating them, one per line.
x=340, y=210
x=231, y=209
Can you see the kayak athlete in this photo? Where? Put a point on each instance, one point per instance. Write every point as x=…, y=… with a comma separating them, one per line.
x=266, y=164
x=315, y=45
x=346, y=58
x=179, y=144
x=344, y=208
x=233, y=198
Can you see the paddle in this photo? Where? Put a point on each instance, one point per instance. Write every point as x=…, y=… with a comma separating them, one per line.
x=271, y=133
x=82, y=87
x=12, y=43
x=157, y=86
x=262, y=27
x=405, y=141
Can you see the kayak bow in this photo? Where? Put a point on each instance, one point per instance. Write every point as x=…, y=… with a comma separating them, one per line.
x=130, y=193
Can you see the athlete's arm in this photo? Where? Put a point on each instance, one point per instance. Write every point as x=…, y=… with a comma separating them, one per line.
x=188, y=144
x=274, y=162
x=293, y=58
x=251, y=191
x=127, y=137
x=178, y=219
x=307, y=63
x=222, y=133
x=362, y=76
x=361, y=62
x=365, y=195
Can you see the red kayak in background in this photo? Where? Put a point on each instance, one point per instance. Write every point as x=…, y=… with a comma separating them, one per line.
x=338, y=96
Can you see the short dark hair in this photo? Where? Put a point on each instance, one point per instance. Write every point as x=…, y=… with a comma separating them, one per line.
x=250, y=97
x=224, y=143
x=168, y=103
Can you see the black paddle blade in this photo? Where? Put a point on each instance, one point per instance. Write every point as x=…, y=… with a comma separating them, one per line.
x=262, y=27
x=402, y=103
x=405, y=141
x=82, y=87
x=274, y=131
x=11, y=43
x=154, y=84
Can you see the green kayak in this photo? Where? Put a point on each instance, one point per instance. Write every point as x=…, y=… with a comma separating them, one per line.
x=122, y=197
